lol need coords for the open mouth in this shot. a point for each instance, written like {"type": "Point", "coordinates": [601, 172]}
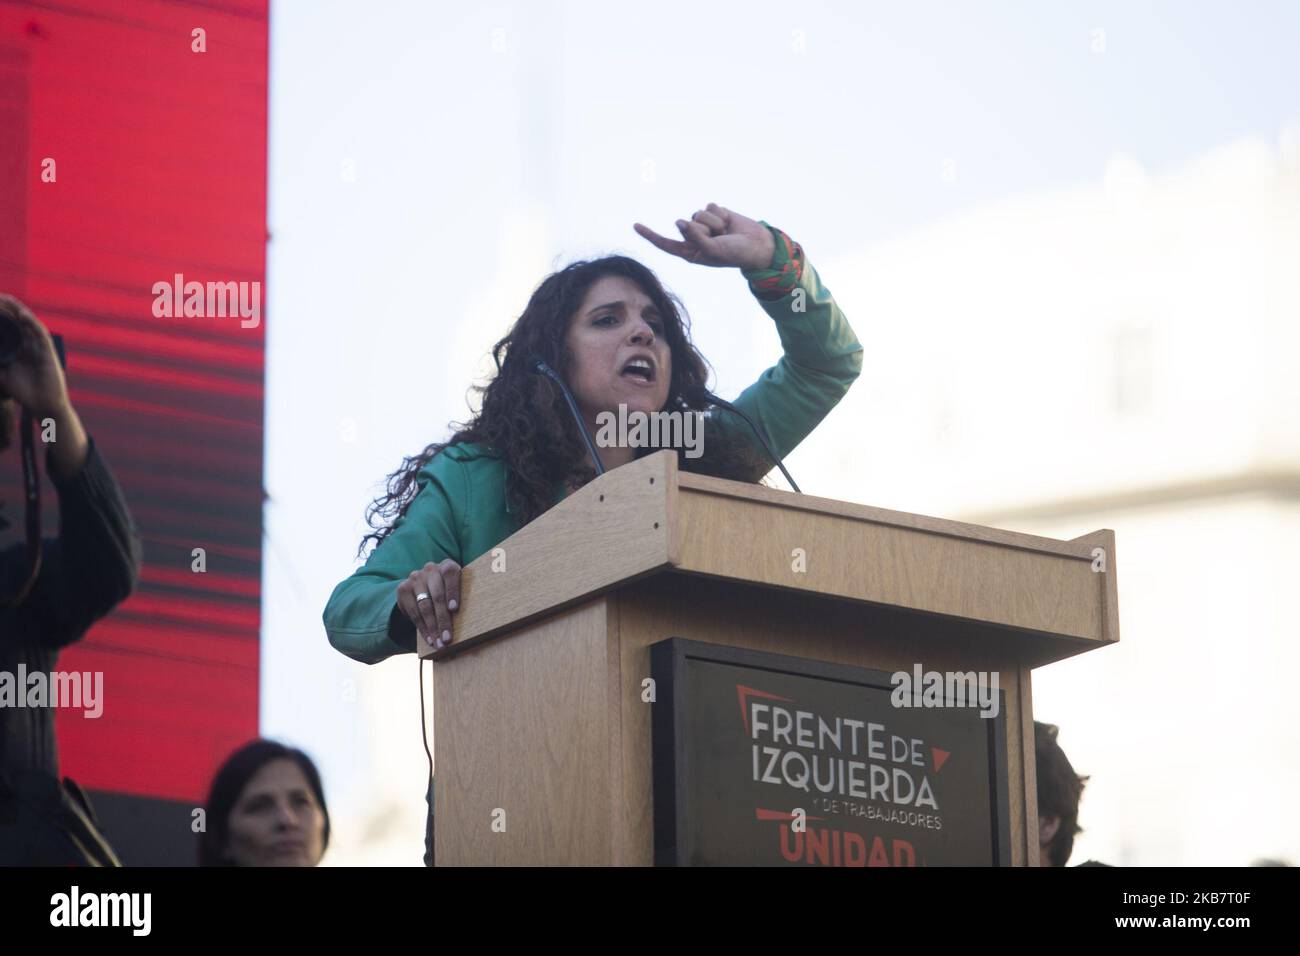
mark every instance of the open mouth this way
{"type": "Point", "coordinates": [639, 370]}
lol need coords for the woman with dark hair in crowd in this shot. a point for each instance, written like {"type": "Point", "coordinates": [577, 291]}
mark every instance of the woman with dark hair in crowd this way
{"type": "Point", "coordinates": [266, 808]}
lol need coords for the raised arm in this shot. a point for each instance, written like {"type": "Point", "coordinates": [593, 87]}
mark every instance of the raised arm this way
{"type": "Point", "coordinates": [95, 561]}
{"type": "Point", "coordinates": [822, 356]}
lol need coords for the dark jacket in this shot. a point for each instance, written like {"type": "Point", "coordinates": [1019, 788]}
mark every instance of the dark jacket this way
{"type": "Point", "coordinates": [89, 568]}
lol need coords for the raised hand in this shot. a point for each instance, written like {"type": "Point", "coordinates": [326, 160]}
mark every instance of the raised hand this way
{"type": "Point", "coordinates": [34, 378]}
{"type": "Point", "coordinates": [717, 237]}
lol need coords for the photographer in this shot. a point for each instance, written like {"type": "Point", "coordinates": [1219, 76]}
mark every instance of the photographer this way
{"type": "Point", "coordinates": [91, 566]}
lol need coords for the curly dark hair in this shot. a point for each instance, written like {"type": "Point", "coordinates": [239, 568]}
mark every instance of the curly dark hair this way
{"type": "Point", "coordinates": [524, 417]}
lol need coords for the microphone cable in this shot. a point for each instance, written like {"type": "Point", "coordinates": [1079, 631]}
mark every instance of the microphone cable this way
{"type": "Point", "coordinates": [699, 393]}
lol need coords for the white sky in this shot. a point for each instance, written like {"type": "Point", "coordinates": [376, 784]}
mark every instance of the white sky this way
{"type": "Point", "coordinates": [431, 162]}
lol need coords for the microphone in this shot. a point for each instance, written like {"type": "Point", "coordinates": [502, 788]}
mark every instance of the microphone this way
{"type": "Point", "coordinates": [701, 395]}
{"type": "Point", "coordinates": [540, 367]}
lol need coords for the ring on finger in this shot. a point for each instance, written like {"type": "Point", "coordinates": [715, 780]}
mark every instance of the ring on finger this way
{"type": "Point", "coordinates": [422, 596]}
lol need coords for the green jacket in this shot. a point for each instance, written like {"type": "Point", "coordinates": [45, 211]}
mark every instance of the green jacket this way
{"type": "Point", "coordinates": [460, 510]}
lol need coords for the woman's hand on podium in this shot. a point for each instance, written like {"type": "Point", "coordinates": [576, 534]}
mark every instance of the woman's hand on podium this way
{"type": "Point", "coordinates": [428, 597]}
{"type": "Point", "coordinates": [718, 237]}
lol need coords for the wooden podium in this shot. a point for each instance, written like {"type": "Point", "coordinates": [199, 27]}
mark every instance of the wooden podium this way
{"type": "Point", "coordinates": [542, 733]}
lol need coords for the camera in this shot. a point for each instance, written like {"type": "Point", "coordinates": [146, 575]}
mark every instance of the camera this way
{"type": "Point", "coordinates": [11, 338]}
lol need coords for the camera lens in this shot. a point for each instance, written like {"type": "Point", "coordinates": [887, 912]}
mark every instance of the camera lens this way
{"type": "Point", "coordinates": [11, 339]}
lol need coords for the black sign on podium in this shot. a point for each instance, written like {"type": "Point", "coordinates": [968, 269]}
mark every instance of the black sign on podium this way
{"type": "Point", "coordinates": [768, 760]}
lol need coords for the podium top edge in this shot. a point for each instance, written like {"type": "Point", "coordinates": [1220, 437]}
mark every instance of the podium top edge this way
{"type": "Point", "coordinates": [1079, 547]}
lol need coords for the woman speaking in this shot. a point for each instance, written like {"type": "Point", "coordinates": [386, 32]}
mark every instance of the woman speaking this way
{"type": "Point", "coordinates": [617, 338]}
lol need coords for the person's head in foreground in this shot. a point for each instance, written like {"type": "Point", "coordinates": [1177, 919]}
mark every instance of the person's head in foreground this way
{"type": "Point", "coordinates": [266, 808]}
{"type": "Point", "coordinates": [1059, 790]}
{"type": "Point", "coordinates": [617, 337]}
